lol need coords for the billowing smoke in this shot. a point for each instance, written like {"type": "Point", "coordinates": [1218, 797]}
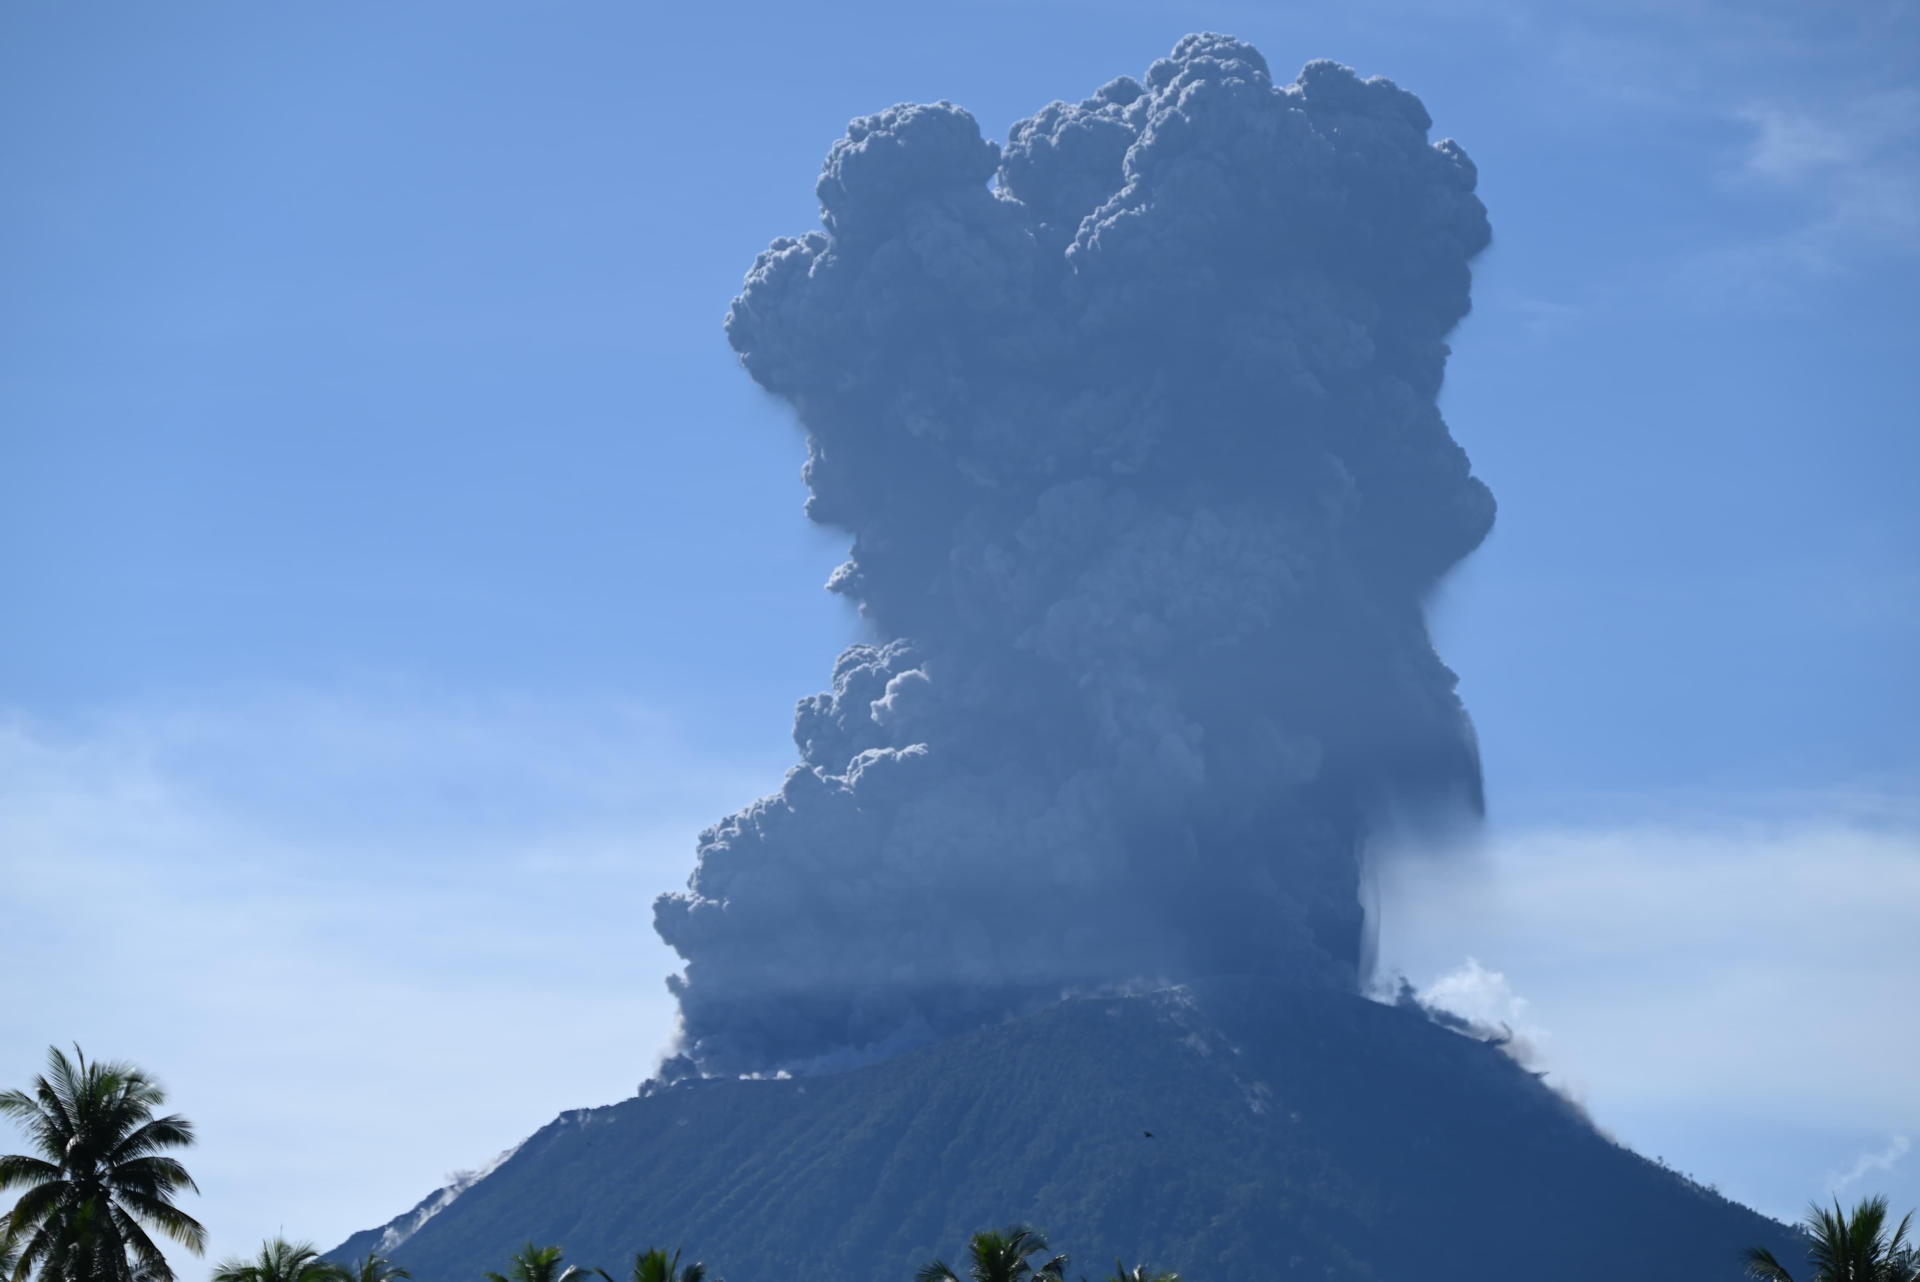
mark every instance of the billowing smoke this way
{"type": "Point", "coordinates": [1133, 425]}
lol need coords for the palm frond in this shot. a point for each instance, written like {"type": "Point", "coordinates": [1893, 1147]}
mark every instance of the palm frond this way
{"type": "Point", "coordinates": [154, 1176]}
{"type": "Point", "coordinates": [378, 1268]}
{"type": "Point", "coordinates": [171, 1131]}
{"type": "Point", "coordinates": [33, 1252]}
{"type": "Point", "coordinates": [1897, 1244]}
{"type": "Point", "coordinates": [43, 1128]}
{"type": "Point", "coordinates": [169, 1219]}
{"type": "Point", "coordinates": [149, 1262]}
{"type": "Point", "coordinates": [1828, 1251]}
{"type": "Point", "coordinates": [1024, 1239]}
{"type": "Point", "coordinates": [38, 1204]}
{"type": "Point", "coordinates": [1865, 1235]}
{"type": "Point", "coordinates": [59, 1091]}
{"type": "Point", "coordinates": [650, 1265]}
{"type": "Point", "coordinates": [935, 1271]}
{"type": "Point", "coordinates": [20, 1170]}
{"type": "Point", "coordinates": [235, 1269]}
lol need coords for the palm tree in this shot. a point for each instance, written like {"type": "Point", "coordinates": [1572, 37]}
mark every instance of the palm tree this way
{"type": "Point", "coordinates": [1001, 1257]}
{"type": "Point", "coordinates": [539, 1264]}
{"type": "Point", "coordinates": [375, 1268]}
{"type": "Point", "coordinates": [1846, 1250]}
{"type": "Point", "coordinates": [654, 1265]}
{"type": "Point", "coordinates": [280, 1261]}
{"type": "Point", "coordinates": [1139, 1273]}
{"type": "Point", "coordinates": [99, 1178]}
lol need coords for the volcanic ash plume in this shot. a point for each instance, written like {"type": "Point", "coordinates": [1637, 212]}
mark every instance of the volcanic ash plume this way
{"type": "Point", "coordinates": [1133, 426]}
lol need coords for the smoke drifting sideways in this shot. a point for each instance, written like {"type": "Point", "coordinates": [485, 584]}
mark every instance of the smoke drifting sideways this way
{"type": "Point", "coordinates": [1133, 424]}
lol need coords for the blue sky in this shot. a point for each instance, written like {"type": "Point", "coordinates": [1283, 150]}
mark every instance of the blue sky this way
{"type": "Point", "coordinates": [399, 571]}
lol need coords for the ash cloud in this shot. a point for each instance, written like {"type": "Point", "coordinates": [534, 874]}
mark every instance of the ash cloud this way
{"type": "Point", "coordinates": [1133, 425]}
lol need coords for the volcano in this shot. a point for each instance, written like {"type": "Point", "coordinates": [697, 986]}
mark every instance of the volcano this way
{"type": "Point", "coordinates": [1232, 1130]}
{"type": "Point", "coordinates": [1133, 425]}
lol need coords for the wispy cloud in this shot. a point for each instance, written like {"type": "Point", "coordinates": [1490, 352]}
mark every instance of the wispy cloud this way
{"type": "Point", "coordinates": [1687, 961]}
{"type": "Point", "coordinates": [1800, 122]}
{"type": "Point", "coordinates": [364, 938]}
{"type": "Point", "coordinates": [1852, 167]}
{"type": "Point", "coordinates": [1882, 1161]}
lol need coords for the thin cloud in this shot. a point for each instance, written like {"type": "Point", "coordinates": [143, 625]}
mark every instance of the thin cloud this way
{"type": "Point", "coordinates": [346, 924]}
{"type": "Point", "coordinates": [1689, 956]}
{"type": "Point", "coordinates": [1854, 168]}
{"type": "Point", "coordinates": [1882, 1161]}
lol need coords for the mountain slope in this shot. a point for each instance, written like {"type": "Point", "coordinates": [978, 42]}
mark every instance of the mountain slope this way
{"type": "Point", "coordinates": [1293, 1134]}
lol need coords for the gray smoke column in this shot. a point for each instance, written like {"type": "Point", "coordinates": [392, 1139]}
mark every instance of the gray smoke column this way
{"type": "Point", "coordinates": [1133, 426]}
